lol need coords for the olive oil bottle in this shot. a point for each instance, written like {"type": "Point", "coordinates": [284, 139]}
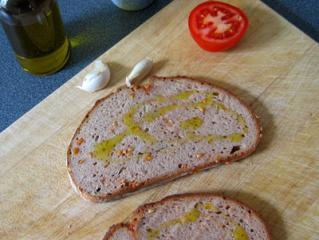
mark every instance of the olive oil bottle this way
{"type": "Point", "coordinates": [36, 33]}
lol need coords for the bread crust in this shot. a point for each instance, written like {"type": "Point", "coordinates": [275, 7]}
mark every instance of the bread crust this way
{"type": "Point", "coordinates": [142, 186]}
{"type": "Point", "coordinates": [116, 227]}
{"type": "Point", "coordinates": [137, 215]}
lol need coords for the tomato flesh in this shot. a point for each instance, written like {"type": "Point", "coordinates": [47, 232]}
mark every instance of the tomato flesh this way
{"type": "Point", "coordinates": [217, 26]}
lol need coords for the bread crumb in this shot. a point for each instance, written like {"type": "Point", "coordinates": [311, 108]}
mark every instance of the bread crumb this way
{"type": "Point", "coordinates": [130, 150]}
{"type": "Point", "coordinates": [200, 155]}
{"type": "Point", "coordinates": [182, 166]}
{"type": "Point", "coordinates": [218, 159]}
{"type": "Point", "coordinates": [201, 109]}
{"type": "Point", "coordinates": [76, 150]}
{"type": "Point", "coordinates": [168, 122]}
{"type": "Point", "coordinates": [151, 210]}
{"type": "Point", "coordinates": [81, 161]}
{"type": "Point", "coordinates": [80, 141]}
{"type": "Point", "coordinates": [125, 152]}
{"type": "Point", "coordinates": [148, 157]}
{"type": "Point", "coordinates": [147, 88]}
{"type": "Point", "coordinates": [133, 92]}
{"type": "Point", "coordinates": [119, 153]}
{"type": "Point", "coordinates": [114, 126]}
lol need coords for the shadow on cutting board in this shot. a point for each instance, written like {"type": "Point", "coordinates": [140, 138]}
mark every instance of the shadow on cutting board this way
{"type": "Point", "coordinates": [119, 71]}
{"type": "Point", "coordinates": [265, 210]}
{"type": "Point", "coordinates": [266, 118]}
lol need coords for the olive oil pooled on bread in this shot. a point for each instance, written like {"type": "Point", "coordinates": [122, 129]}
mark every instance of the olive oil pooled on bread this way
{"type": "Point", "coordinates": [36, 33]}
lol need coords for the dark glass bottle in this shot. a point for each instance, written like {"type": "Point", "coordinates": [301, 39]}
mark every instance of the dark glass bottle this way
{"type": "Point", "coordinates": [36, 33]}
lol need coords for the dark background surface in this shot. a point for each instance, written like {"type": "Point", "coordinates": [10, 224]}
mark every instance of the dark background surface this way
{"type": "Point", "coordinates": [94, 26]}
{"type": "Point", "coordinates": [302, 13]}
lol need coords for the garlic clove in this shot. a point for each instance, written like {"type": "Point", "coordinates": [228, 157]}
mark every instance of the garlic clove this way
{"type": "Point", "coordinates": [94, 81]}
{"type": "Point", "coordinates": [97, 79]}
{"type": "Point", "coordinates": [100, 66]}
{"type": "Point", "coordinates": [139, 71]}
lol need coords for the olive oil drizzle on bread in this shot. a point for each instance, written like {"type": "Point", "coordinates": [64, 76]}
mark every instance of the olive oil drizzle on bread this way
{"type": "Point", "coordinates": [103, 150]}
{"type": "Point", "coordinates": [239, 233]}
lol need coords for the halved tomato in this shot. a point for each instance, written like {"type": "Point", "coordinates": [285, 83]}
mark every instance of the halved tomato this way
{"type": "Point", "coordinates": [217, 26]}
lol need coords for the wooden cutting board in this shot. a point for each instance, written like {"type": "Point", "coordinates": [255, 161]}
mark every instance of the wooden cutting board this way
{"type": "Point", "coordinates": [275, 69]}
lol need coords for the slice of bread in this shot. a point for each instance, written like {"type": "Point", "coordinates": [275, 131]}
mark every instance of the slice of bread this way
{"type": "Point", "coordinates": [165, 129]}
{"type": "Point", "coordinates": [196, 216]}
{"type": "Point", "coordinates": [119, 231]}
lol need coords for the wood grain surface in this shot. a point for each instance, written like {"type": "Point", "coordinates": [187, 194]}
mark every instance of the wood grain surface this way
{"type": "Point", "coordinates": [275, 69]}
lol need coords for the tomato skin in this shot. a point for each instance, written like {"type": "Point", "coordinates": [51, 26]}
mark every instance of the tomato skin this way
{"type": "Point", "coordinates": [214, 45]}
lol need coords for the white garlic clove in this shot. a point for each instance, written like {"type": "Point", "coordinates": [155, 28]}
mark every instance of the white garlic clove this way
{"type": "Point", "coordinates": [100, 66]}
{"type": "Point", "coordinates": [139, 71]}
{"type": "Point", "coordinates": [97, 79]}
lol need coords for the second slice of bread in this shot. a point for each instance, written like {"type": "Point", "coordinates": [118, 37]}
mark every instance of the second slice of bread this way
{"type": "Point", "coordinates": [193, 216]}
